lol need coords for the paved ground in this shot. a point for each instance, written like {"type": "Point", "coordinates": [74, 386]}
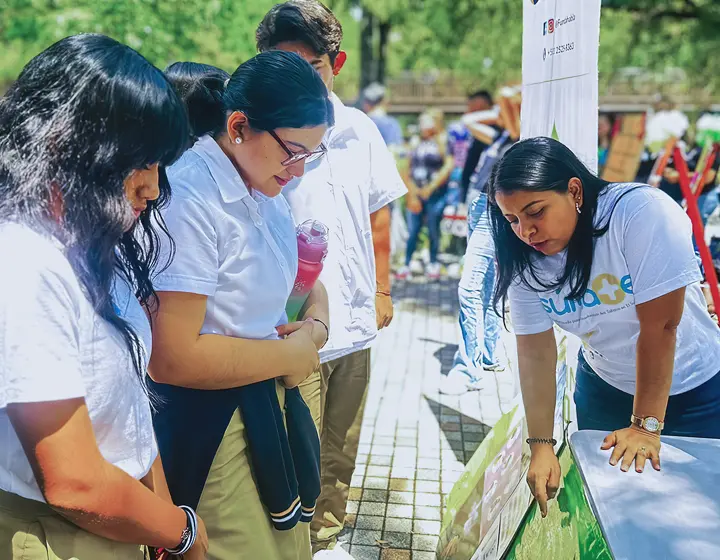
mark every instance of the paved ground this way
{"type": "Point", "coordinates": [415, 442]}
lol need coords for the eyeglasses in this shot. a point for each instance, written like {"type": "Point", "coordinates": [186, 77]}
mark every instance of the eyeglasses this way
{"type": "Point", "coordinates": [295, 157]}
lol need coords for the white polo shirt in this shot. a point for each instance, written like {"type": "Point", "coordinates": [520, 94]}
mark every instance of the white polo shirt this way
{"type": "Point", "coordinates": [238, 249]}
{"type": "Point", "coordinates": [53, 347]}
{"type": "Point", "coordinates": [358, 176]}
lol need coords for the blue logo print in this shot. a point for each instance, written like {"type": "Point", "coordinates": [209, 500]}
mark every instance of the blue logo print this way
{"type": "Point", "coordinates": [605, 289]}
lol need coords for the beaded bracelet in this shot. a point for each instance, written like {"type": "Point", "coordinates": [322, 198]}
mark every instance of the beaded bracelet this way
{"type": "Point", "coordinates": [189, 534]}
{"type": "Point", "coordinates": [532, 440]}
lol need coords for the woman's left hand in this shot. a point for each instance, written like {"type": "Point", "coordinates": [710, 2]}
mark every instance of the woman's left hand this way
{"type": "Point", "coordinates": [319, 333]}
{"type": "Point", "coordinates": [633, 444]}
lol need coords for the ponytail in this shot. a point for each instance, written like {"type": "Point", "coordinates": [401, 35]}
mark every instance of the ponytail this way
{"type": "Point", "coordinates": [201, 87]}
{"type": "Point", "coordinates": [274, 89]}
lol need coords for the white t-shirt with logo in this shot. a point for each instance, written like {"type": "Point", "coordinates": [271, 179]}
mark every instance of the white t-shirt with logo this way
{"type": "Point", "coordinates": [54, 346]}
{"type": "Point", "coordinates": [646, 253]}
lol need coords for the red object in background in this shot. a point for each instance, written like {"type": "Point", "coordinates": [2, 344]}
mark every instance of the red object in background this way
{"type": "Point", "coordinates": [694, 215]}
{"type": "Point", "coordinates": [617, 124]}
{"type": "Point", "coordinates": [699, 186]}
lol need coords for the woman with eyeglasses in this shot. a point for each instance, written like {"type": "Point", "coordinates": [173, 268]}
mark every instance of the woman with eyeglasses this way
{"type": "Point", "coordinates": [235, 437]}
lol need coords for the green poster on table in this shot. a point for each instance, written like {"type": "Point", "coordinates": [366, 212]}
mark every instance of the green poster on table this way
{"type": "Point", "coordinates": [488, 503]}
{"type": "Point", "coordinates": [569, 531]}
{"type": "Point", "coordinates": [490, 514]}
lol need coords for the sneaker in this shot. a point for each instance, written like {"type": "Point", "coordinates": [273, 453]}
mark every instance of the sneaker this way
{"type": "Point", "coordinates": [403, 273]}
{"type": "Point", "coordinates": [416, 267]}
{"type": "Point", "coordinates": [433, 271]}
{"type": "Point", "coordinates": [495, 368]}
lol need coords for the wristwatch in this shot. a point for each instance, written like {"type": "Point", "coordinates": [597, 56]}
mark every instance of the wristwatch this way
{"type": "Point", "coordinates": [649, 424]}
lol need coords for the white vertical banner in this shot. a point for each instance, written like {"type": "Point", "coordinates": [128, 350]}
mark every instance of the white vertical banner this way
{"type": "Point", "coordinates": [560, 73]}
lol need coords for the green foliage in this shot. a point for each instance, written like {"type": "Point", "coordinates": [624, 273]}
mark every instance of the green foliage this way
{"type": "Point", "coordinates": [478, 41]}
{"type": "Point", "coordinates": [220, 32]}
{"type": "Point", "coordinates": [661, 34]}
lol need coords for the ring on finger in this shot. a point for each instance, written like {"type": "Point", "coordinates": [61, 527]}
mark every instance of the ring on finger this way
{"type": "Point", "coordinates": [643, 450]}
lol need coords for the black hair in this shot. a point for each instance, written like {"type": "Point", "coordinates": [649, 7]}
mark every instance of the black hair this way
{"type": "Point", "coordinates": [610, 118]}
{"type": "Point", "coordinates": [305, 21]}
{"type": "Point", "coordinates": [543, 164]}
{"type": "Point", "coordinates": [275, 89]}
{"type": "Point", "coordinates": [374, 94]}
{"type": "Point", "coordinates": [82, 116]}
{"type": "Point", "coordinates": [481, 94]}
{"type": "Point", "coordinates": [201, 87]}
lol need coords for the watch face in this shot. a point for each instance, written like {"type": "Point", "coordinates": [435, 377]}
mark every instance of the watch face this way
{"type": "Point", "coordinates": [652, 424]}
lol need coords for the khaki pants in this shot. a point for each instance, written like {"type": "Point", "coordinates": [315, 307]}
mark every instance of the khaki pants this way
{"type": "Point", "coordinates": [238, 526]}
{"type": "Point", "coordinates": [31, 530]}
{"type": "Point", "coordinates": [336, 398]}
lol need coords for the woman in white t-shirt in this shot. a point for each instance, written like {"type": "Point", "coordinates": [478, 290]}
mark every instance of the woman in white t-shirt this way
{"type": "Point", "coordinates": [234, 434]}
{"type": "Point", "coordinates": [79, 475]}
{"type": "Point", "coordinates": [613, 264]}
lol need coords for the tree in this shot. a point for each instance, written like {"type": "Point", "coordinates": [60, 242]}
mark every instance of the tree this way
{"type": "Point", "coordinates": [477, 43]}
{"type": "Point", "coordinates": [661, 34]}
{"type": "Point", "coordinates": [673, 9]}
{"type": "Point", "coordinates": [220, 32]}
{"type": "Point", "coordinates": [378, 17]}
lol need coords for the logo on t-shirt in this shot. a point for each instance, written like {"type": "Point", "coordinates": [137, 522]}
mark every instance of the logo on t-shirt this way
{"type": "Point", "coordinates": [605, 289]}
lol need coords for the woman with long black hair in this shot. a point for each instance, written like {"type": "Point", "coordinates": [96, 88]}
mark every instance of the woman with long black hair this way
{"type": "Point", "coordinates": [79, 193]}
{"type": "Point", "coordinates": [226, 359]}
{"type": "Point", "coordinates": [613, 264]}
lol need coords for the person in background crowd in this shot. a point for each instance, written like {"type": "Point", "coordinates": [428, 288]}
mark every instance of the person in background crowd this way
{"type": "Point", "coordinates": [477, 356]}
{"type": "Point", "coordinates": [605, 130]}
{"type": "Point", "coordinates": [428, 174]}
{"type": "Point", "coordinates": [374, 106]}
{"type": "Point", "coordinates": [708, 200]}
{"type": "Point", "coordinates": [438, 116]}
{"type": "Point", "coordinates": [613, 264]}
{"type": "Point", "coordinates": [80, 475]}
{"type": "Point", "coordinates": [460, 141]}
{"type": "Point", "coordinates": [480, 102]}
{"type": "Point", "coordinates": [349, 190]}
{"type": "Point", "coordinates": [463, 146]}
{"type": "Point", "coordinates": [234, 434]}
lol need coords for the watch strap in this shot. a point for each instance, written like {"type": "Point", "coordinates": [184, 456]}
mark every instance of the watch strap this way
{"type": "Point", "coordinates": [640, 423]}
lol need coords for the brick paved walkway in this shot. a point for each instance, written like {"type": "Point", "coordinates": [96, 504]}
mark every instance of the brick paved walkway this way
{"type": "Point", "coordinates": [415, 442]}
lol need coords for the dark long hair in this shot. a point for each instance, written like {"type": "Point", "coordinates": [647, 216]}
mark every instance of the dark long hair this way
{"type": "Point", "coordinates": [81, 116]}
{"type": "Point", "coordinates": [544, 164]}
{"type": "Point", "coordinates": [201, 87]}
{"type": "Point", "coordinates": [275, 89]}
